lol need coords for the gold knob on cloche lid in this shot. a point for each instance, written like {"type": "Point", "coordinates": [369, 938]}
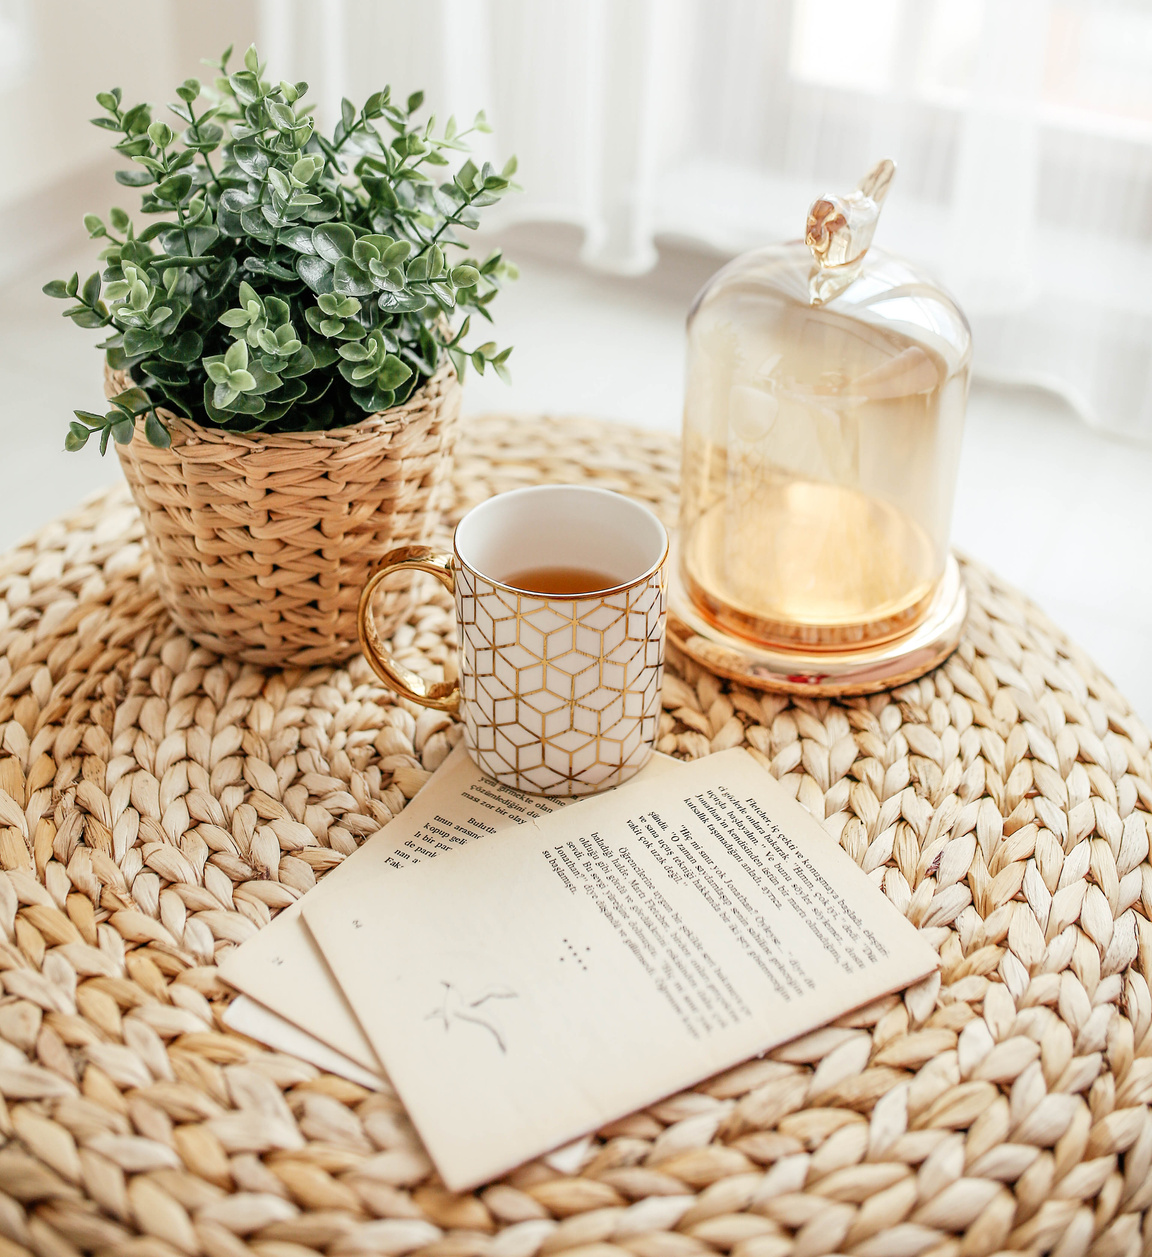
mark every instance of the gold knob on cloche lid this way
{"type": "Point", "coordinates": [840, 229]}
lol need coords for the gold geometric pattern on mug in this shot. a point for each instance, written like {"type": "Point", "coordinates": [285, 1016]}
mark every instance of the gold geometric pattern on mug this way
{"type": "Point", "coordinates": [554, 689]}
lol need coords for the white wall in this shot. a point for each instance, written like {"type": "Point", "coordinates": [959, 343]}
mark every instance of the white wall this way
{"type": "Point", "coordinates": [55, 55]}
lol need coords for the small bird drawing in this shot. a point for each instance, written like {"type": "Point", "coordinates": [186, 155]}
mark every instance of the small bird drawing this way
{"type": "Point", "coordinates": [455, 1006]}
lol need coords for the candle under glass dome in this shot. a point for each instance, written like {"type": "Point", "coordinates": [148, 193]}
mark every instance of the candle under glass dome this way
{"type": "Point", "coordinates": [824, 407]}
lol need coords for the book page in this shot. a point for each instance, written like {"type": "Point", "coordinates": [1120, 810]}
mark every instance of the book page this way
{"type": "Point", "coordinates": [280, 966]}
{"type": "Point", "coordinates": [531, 990]}
{"type": "Point", "coordinates": [246, 1016]}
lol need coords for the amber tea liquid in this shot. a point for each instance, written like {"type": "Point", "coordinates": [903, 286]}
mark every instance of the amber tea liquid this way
{"type": "Point", "coordinates": [559, 580]}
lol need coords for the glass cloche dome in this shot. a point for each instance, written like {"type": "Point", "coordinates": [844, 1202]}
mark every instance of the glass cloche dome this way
{"type": "Point", "coordinates": [825, 398]}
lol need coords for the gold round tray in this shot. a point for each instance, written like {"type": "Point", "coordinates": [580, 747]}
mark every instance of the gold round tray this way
{"type": "Point", "coordinates": [859, 670]}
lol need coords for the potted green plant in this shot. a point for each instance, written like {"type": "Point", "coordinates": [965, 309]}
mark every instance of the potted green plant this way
{"type": "Point", "coordinates": [283, 355]}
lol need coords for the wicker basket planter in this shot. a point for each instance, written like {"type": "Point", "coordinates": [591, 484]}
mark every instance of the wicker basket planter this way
{"type": "Point", "coordinates": [263, 543]}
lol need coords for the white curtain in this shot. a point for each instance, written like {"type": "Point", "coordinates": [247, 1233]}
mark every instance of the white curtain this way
{"type": "Point", "coordinates": [1022, 131]}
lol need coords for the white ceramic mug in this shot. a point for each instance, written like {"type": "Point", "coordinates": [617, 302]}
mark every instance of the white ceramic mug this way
{"type": "Point", "coordinates": [560, 693]}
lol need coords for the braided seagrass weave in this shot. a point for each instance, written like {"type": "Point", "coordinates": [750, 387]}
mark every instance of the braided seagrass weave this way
{"type": "Point", "coordinates": [264, 542]}
{"type": "Point", "coordinates": [158, 804]}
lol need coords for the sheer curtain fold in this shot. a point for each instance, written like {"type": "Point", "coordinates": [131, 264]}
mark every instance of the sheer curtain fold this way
{"type": "Point", "coordinates": [1022, 130]}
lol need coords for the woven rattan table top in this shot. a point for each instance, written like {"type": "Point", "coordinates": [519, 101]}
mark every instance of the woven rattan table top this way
{"type": "Point", "coordinates": [159, 804]}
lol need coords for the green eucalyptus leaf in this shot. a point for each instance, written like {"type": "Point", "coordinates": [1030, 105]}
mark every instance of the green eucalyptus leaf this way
{"type": "Point", "coordinates": [160, 133]}
{"type": "Point", "coordinates": [351, 280]}
{"type": "Point", "coordinates": [77, 437]}
{"type": "Point", "coordinates": [288, 392]}
{"type": "Point", "coordinates": [372, 400]}
{"type": "Point", "coordinates": [201, 238]}
{"type": "Point", "coordinates": [280, 182]}
{"type": "Point", "coordinates": [315, 272]}
{"type": "Point", "coordinates": [282, 117]}
{"type": "Point", "coordinates": [262, 266]}
{"type": "Point", "coordinates": [131, 400]}
{"type": "Point", "coordinates": [253, 223]}
{"type": "Point", "coordinates": [204, 137]}
{"type": "Point", "coordinates": [175, 188]}
{"type": "Point", "coordinates": [134, 178]}
{"type": "Point", "coordinates": [236, 200]}
{"type": "Point", "coordinates": [219, 278]}
{"type": "Point", "coordinates": [186, 348]}
{"type": "Point", "coordinates": [251, 159]}
{"type": "Point", "coordinates": [236, 356]}
{"type": "Point", "coordinates": [393, 372]}
{"type": "Point", "coordinates": [245, 85]}
{"type": "Point", "coordinates": [157, 434]}
{"type": "Point", "coordinates": [325, 356]}
{"type": "Point", "coordinates": [56, 288]}
{"type": "Point", "coordinates": [401, 302]}
{"type": "Point", "coordinates": [163, 264]}
{"type": "Point", "coordinates": [171, 373]}
{"type": "Point", "coordinates": [263, 381]}
{"type": "Point", "coordinates": [301, 363]}
{"type": "Point", "coordinates": [396, 254]}
{"type": "Point", "coordinates": [381, 191]}
{"type": "Point", "coordinates": [137, 120]}
{"type": "Point", "coordinates": [364, 252]}
{"type": "Point", "coordinates": [278, 311]}
{"type": "Point", "coordinates": [328, 208]}
{"type": "Point", "coordinates": [333, 241]}
{"type": "Point", "coordinates": [298, 238]}
{"type": "Point", "coordinates": [246, 403]}
{"type": "Point", "coordinates": [85, 318]}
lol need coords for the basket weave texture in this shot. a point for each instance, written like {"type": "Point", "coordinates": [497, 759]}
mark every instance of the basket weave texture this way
{"type": "Point", "coordinates": [159, 803]}
{"type": "Point", "coordinates": [264, 542]}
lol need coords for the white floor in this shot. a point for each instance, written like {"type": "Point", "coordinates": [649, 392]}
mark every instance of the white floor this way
{"type": "Point", "coordinates": [1059, 509]}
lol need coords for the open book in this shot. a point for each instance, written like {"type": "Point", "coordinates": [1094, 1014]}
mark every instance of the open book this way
{"type": "Point", "coordinates": [581, 964]}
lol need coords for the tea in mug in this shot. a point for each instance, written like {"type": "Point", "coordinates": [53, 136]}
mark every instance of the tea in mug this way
{"type": "Point", "coordinates": [555, 579]}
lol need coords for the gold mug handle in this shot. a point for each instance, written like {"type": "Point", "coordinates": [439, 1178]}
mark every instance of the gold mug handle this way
{"type": "Point", "coordinates": [440, 695]}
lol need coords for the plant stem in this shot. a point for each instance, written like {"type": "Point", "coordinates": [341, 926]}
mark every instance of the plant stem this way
{"type": "Point", "coordinates": [453, 220]}
{"type": "Point", "coordinates": [204, 155]}
{"type": "Point", "coordinates": [107, 318]}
